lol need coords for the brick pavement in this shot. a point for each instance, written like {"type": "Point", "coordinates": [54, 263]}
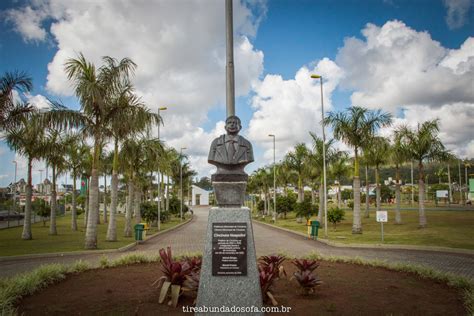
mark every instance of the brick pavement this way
{"type": "Point", "coordinates": [190, 238]}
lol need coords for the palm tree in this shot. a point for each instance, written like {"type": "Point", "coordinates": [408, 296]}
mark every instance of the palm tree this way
{"type": "Point", "coordinates": [262, 178]}
{"type": "Point", "coordinates": [354, 127]}
{"type": "Point", "coordinates": [285, 175]}
{"type": "Point", "coordinates": [26, 138]}
{"type": "Point", "coordinates": [95, 90]}
{"type": "Point", "coordinates": [135, 158]}
{"type": "Point", "coordinates": [316, 164]}
{"type": "Point", "coordinates": [77, 152]}
{"type": "Point", "coordinates": [339, 169]}
{"type": "Point", "coordinates": [54, 152]}
{"type": "Point", "coordinates": [297, 161]}
{"type": "Point", "coordinates": [398, 156]}
{"type": "Point", "coordinates": [377, 153]}
{"type": "Point", "coordinates": [423, 144]}
{"type": "Point", "coordinates": [11, 111]}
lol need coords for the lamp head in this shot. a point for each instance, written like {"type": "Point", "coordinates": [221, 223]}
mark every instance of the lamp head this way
{"type": "Point", "coordinates": [163, 108]}
{"type": "Point", "coordinates": [315, 76]}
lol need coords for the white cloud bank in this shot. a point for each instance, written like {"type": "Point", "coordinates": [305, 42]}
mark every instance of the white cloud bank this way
{"type": "Point", "coordinates": [179, 47]}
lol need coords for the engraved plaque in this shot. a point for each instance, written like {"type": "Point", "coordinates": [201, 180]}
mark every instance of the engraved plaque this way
{"type": "Point", "coordinates": [229, 249]}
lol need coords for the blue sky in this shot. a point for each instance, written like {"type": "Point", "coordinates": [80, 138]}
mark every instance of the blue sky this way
{"type": "Point", "coordinates": [380, 54]}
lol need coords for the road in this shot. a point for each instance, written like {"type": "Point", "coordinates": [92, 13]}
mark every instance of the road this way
{"type": "Point", "coordinates": [190, 238]}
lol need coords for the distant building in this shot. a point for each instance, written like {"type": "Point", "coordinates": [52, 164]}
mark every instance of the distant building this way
{"type": "Point", "coordinates": [199, 196]}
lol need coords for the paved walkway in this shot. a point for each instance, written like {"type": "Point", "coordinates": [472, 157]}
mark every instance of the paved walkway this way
{"type": "Point", "coordinates": [190, 238]}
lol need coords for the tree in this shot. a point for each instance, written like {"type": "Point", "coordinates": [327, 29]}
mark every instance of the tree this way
{"type": "Point", "coordinates": [398, 156]}
{"type": "Point", "coordinates": [377, 153]}
{"type": "Point", "coordinates": [336, 215]}
{"type": "Point", "coordinates": [297, 161]}
{"type": "Point", "coordinates": [95, 89]}
{"type": "Point", "coordinates": [77, 152]}
{"type": "Point", "coordinates": [354, 127]}
{"type": "Point", "coordinates": [54, 152]}
{"type": "Point", "coordinates": [26, 138]}
{"type": "Point", "coordinates": [339, 169]}
{"type": "Point", "coordinates": [123, 104]}
{"type": "Point", "coordinates": [423, 144]}
{"type": "Point", "coordinates": [306, 209]}
{"type": "Point", "coordinates": [11, 110]}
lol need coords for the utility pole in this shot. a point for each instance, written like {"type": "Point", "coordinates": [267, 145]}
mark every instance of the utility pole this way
{"type": "Point", "coordinates": [230, 86]}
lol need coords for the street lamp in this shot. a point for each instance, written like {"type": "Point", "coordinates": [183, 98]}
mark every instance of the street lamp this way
{"type": "Point", "coordinates": [274, 179]}
{"type": "Point", "coordinates": [324, 158]}
{"type": "Point", "coordinates": [158, 175]}
{"type": "Point", "coordinates": [181, 182]}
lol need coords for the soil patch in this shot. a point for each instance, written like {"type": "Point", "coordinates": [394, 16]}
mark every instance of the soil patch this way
{"type": "Point", "coordinates": [348, 289]}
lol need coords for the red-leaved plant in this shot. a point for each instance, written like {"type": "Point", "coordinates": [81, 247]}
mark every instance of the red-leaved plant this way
{"type": "Point", "coordinates": [276, 260]}
{"type": "Point", "coordinates": [177, 275]}
{"type": "Point", "coordinates": [267, 275]}
{"type": "Point", "coordinates": [305, 277]}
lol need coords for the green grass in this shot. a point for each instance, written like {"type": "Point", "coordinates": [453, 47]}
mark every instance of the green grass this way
{"type": "Point", "coordinates": [452, 229]}
{"type": "Point", "coordinates": [11, 243]}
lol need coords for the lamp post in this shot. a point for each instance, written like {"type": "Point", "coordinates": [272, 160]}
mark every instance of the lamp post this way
{"type": "Point", "coordinates": [324, 158]}
{"type": "Point", "coordinates": [181, 183]}
{"type": "Point", "coordinates": [158, 175]}
{"type": "Point", "coordinates": [274, 180]}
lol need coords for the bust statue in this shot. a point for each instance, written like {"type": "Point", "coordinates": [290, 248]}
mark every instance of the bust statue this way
{"type": "Point", "coordinates": [230, 152]}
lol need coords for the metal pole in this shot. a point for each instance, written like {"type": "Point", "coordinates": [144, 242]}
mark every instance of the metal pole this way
{"type": "Point", "coordinates": [412, 187]}
{"type": "Point", "coordinates": [382, 230]}
{"type": "Point", "coordinates": [230, 86]}
{"type": "Point", "coordinates": [465, 178]}
{"type": "Point", "coordinates": [159, 184]}
{"type": "Point", "coordinates": [181, 184]}
{"type": "Point", "coordinates": [449, 186]}
{"type": "Point", "coordinates": [324, 163]}
{"type": "Point", "coordinates": [14, 195]}
{"type": "Point", "coordinates": [460, 183]}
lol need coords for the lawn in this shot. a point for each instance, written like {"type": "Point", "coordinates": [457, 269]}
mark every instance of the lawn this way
{"type": "Point", "coordinates": [453, 229]}
{"type": "Point", "coordinates": [67, 240]}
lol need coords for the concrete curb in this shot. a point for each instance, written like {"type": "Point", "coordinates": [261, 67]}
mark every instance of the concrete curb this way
{"type": "Point", "coordinates": [90, 252]}
{"type": "Point", "coordinates": [375, 246]}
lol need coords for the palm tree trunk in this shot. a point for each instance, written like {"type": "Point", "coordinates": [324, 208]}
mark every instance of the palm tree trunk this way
{"type": "Point", "coordinates": [421, 197]}
{"type": "Point", "coordinates": [167, 193]}
{"type": "Point", "coordinates": [86, 211]}
{"type": "Point", "coordinates": [450, 186]}
{"type": "Point", "coordinates": [26, 234]}
{"type": "Point", "coordinates": [74, 206]}
{"type": "Point", "coordinates": [339, 194]}
{"type": "Point", "coordinates": [378, 193]}
{"type": "Point", "coordinates": [136, 204]}
{"type": "Point", "coordinates": [92, 219]}
{"type": "Point", "coordinates": [162, 190]}
{"type": "Point", "coordinates": [398, 216]}
{"type": "Point", "coordinates": [357, 222]}
{"type": "Point", "coordinates": [300, 189]}
{"type": "Point", "coordinates": [52, 217]}
{"type": "Point", "coordinates": [112, 228]}
{"type": "Point", "coordinates": [105, 199]}
{"type": "Point", "coordinates": [321, 203]}
{"type": "Point", "coordinates": [367, 188]}
{"type": "Point", "coordinates": [128, 212]}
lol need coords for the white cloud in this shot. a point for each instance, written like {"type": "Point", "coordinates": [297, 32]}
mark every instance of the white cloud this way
{"type": "Point", "coordinates": [39, 101]}
{"type": "Point", "coordinates": [397, 68]}
{"type": "Point", "coordinates": [291, 108]}
{"type": "Point", "coordinates": [27, 21]}
{"type": "Point", "coordinates": [179, 47]}
{"type": "Point", "coordinates": [457, 14]}
{"type": "Point", "coordinates": [396, 65]}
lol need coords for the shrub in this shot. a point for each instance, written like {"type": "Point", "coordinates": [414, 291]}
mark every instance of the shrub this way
{"type": "Point", "coordinates": [175, 206]}
{"type": "Point", "coordinates": [285, 204]}
{"type": "Point", "coordinates": [336, 215]}
{"type": "Point", "coordinates": [350, 204]}
{"type": "Point", "coordinates": [306, 209]}
{"type": "Point", "coordinates": [41, 208]}
{"type": "Point", "coordinates": [149, 211]}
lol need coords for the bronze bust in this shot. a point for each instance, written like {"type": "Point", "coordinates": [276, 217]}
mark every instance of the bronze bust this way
{"type": "Point", "coordinates": [230, 153]}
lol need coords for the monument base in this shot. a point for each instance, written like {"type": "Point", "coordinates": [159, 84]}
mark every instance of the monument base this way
{"type": "Point", "coordinates": [216, 289]}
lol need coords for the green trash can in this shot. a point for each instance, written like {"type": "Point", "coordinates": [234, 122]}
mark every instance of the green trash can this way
{"type": "Point", "coordinates": [314, 229]}
{"type": "Point", "coordinates": [139, 228]}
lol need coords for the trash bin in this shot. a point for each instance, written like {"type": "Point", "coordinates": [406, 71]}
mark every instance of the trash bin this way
{"type": "Point", "coordinates": [139, 228]}
{"type": "Point", "coordinates": [314, 229]}
{"type": "Point", "coordinates": [146, 227]}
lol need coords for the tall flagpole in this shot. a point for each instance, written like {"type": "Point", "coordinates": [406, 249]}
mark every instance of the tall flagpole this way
{"type": "Point", "coordinates": [230, 87]}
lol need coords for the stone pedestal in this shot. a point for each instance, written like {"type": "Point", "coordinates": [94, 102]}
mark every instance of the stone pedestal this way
{"type": "Point", "coordinates": [240, 291]}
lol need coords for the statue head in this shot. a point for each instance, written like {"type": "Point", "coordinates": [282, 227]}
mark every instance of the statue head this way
{"type": "Point", "coordinates": [233, 125]}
